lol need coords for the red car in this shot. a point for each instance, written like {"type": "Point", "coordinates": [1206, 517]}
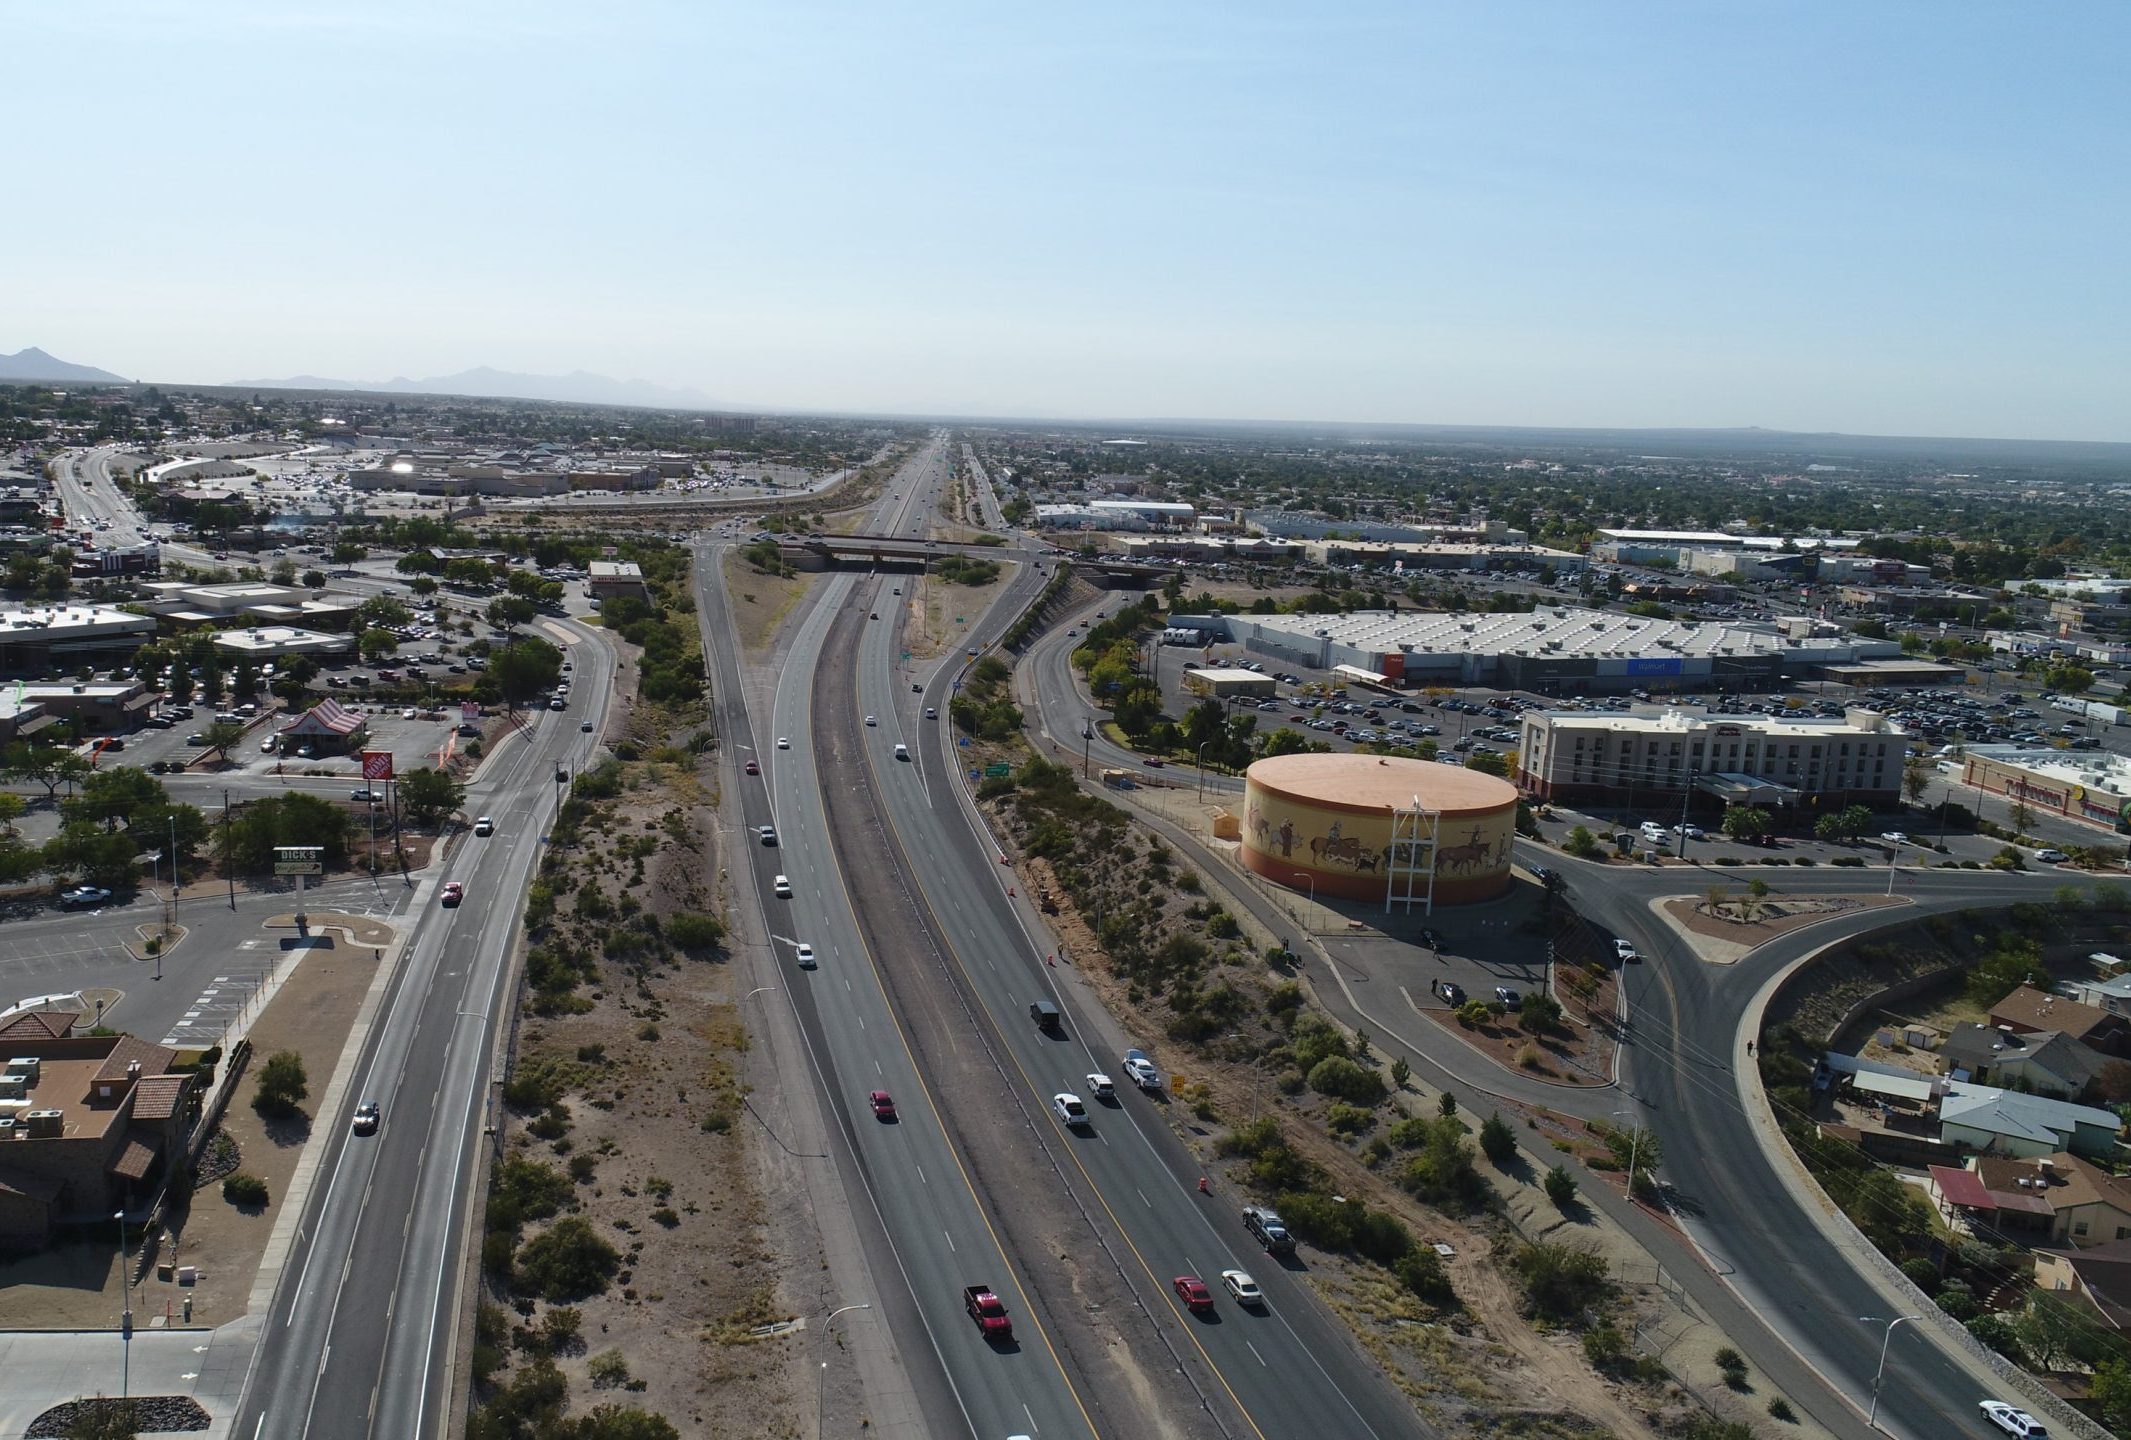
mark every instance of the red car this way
{"type": "Point", "coordinates": [753, 768]}
{"type": "Point", "coordinates": [454, 892]}
{"type": "Point", "coordinates": [883, 1105]}
{"type": "Point", "coordinates": [1154, 762]}
{"type": "Point", "coordinates": [1193, 1292]}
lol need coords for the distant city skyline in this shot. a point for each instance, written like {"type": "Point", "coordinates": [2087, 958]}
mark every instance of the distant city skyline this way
{"type": "Point", "coordinates": [1899, 219]}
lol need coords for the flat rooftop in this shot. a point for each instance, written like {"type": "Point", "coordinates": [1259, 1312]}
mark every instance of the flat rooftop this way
{"type": "Point", "coordinates": [2073, 767]}
{"type": "Point", "coordinates": [1565, 631]}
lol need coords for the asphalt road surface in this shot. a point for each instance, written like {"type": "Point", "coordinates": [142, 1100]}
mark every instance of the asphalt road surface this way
{"type": "Point", "coordinates": [907, 1174]}
{"type": "Point", "coordinates": [358, 1340]}
{"type": "Point", "coordinates": [1288, 1368]}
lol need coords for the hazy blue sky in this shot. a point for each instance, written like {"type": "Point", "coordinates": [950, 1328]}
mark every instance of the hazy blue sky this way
{"type": "Point", "coordinates": [1871, 217]}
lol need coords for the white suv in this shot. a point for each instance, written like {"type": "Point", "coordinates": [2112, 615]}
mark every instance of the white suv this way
{"type": "Point", "coordinates": [2014, 1421]}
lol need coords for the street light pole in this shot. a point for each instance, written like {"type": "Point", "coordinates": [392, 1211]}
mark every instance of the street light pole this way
{"type": "Point", "coordinates": [1635, 1140]}
{"type": "Point", "coordinates": [1872, 1416]}
{"type": "Point", "coordinates": [1202, 765]}
{"type": "Point", "coordinates": [821, 1372]}
{"type": "Point", "coordinates": [125, 1322]}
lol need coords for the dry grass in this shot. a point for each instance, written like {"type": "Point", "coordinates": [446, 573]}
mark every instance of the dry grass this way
{"type": "Point", "coordinates": [760, 602]}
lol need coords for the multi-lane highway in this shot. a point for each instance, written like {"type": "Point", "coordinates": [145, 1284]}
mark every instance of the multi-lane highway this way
{"type": "Point", "coordinates": [358, 1337]}
{"type": "Point", "coordinates": [1285, 1370]}
{"type": "Point", "coordinates": [907, 1174]}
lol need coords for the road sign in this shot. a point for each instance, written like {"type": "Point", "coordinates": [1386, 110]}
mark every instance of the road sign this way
{"type": "Point", "coordinates": [998, 769]}
{"type": "Point", "coordinates": [377, 764]}
{"type": "Point", "coordinates": [470, 711]}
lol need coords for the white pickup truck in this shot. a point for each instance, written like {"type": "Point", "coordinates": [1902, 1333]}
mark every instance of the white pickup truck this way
{"type": "Point", "coordinates": [1140, 1070]}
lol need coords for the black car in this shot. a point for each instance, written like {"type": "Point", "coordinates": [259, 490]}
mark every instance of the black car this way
{"type": "Point", "coordinates": [1450, 992]}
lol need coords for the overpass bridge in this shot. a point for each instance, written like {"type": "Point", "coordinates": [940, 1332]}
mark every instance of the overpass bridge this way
{"type": "Point", "coordinates": [908, 553]}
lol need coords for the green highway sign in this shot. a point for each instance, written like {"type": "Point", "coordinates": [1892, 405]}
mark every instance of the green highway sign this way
{"type": "Point", "coordinates": [998, 770]}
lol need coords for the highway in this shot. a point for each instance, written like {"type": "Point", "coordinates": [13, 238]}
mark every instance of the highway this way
{"type": "Point", "coordinates": [907, 1173]}
{"type": "Point", "coordinates": [1682, 1070]}
{"type": "Point", "coordinates": [1287, 1369]}
{"type": "Point", "coordinates": [359, 1336]}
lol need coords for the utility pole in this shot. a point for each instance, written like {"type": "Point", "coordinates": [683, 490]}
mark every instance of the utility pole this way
{"type": "Point", "coordinates": [229, 855]}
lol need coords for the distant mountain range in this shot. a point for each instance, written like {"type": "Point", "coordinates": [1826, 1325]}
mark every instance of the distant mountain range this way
{"type": "Point", "coordinates": [484, 382]}
{"type": "Point", "coordinates": [34, 364]}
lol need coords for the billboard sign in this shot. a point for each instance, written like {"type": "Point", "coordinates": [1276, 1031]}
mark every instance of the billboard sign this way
{"type": "Point", "coordinates": [298, 860]}
{"type": "Point", "coordinates": [377, 764]}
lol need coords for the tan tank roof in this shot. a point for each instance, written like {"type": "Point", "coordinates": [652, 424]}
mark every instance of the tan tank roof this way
{"type": "Point", "coordinates": [1381, 783]}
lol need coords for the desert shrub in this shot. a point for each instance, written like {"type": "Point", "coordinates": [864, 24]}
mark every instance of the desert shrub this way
{"type": "Point", "coordinates": [1344, 1119]}
{"type": "Point", "coordinates": [525, 1189]}
{"type": "Point", "coordinates": [1560, 1187]}
{"type": "Point", "coordinates": [1560, 1281]}
{"type": "Point", "coordinates": [567, 1261]}
{"type": "Point", "coordinates": [607, 1369]}
{"type": "Point", "coordinates": [693, 931]}
{"type": "Point", "coordinates": [243, 1189]}
{"type": "Point", "coordinates": [1348, 1080]}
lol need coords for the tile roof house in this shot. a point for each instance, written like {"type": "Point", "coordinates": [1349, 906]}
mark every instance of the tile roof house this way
{"type": "Point", "coordinates": [2028, 1009]}
{"type": "Point", "coordinates": [2101, 1277]}
{"type": "Point", "coordinates": [2049, 1062]}
{"type": "Point", "coordinates": [2058, 1198]}
{"type": "Point", "coordinates": [1985, 1118]}
{"type": "Point", "coordinates": [87, 1124]}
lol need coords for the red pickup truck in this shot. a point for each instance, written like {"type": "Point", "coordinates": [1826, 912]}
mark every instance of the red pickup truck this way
{"type": "Point", "coordinates": [985, 1309]}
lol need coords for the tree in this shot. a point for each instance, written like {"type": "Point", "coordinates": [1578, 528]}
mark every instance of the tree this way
{"type": "Point", "coordinates": [283, 1084]}
{"type": "Point", "coordinates": [1745, 822]}
{"type": "Point", "coordinates": [2110, 1390]}
{"type": "Point", "coordinates": [430, 795]}
{"type": "Point", "coordinates": [1487, 762]}
{"type": "Point", "coordinates": [284, 571]}
{"type": "Point", "coordinates": [48, 765]}
{"type": "Point", "coordinates": [375, 645]}
{"type": "Point", "coordinates": [1498, 1142]}
{"type": "Point", "coordinates": [1581, 842]}
{"type": "Point", "coordinates": [98, 855]}
{"type": "Point", "coordinates": [1539, 1013]}
{"type": "Point", "coordinates": [221, 736]}
{"type": "Point", "coordinates": [314, 579]}
{"type": "Point", "coordinates": [1560, 1187]}
{"type": "Point", "coordinates": [524, 668]}
{"type": "Point", "coordinates": [2014, 963]}
{"type": "Point", "coordinates": [381, 612]}
{"type": "Point", "coordinates": [12, 808]}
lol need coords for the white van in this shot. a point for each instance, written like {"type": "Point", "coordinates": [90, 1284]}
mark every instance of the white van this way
{"type": "Point", "coordinates": [902, 752]}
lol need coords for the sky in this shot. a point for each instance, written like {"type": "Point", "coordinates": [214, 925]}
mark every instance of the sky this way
{"type": "Point", "coordinates": [1885, 218]}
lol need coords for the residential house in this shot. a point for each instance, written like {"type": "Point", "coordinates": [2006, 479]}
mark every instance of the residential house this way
{"type": "Point", "coordinates": [2046, 1062]}
{"type": "Point", "coordinates": [2029, 1009]}
{"type": "Point", "coordinates": [2101, 1277]}
{"type": "Point", "coordinates": [2053, 1198]}
{"type": "Point", "coordinates": [1983, 1117]}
